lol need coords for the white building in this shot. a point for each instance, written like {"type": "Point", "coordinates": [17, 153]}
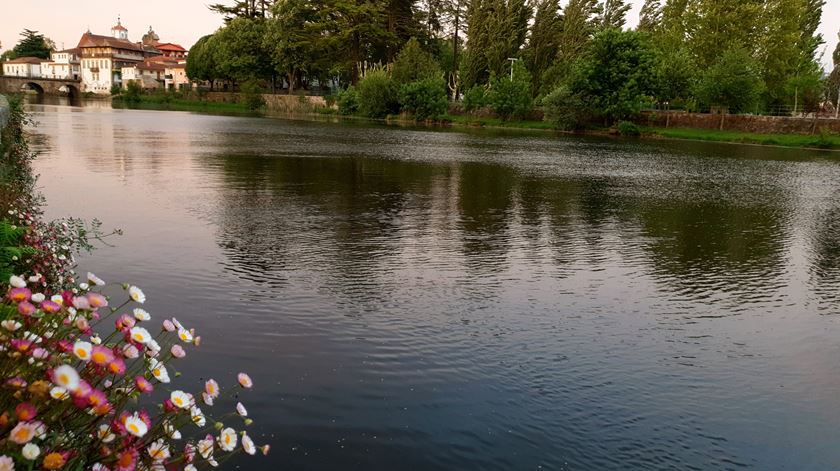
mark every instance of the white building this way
{"type": "Point", "coordinates": [62, 65]}
{"type": "Point", "coordinates": [23, 67]}
{"type": "Point", "coordinates": [103, 58]}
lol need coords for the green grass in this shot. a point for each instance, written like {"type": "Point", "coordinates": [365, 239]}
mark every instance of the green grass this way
{"type": "Point", "coordinates": [164, 102]}
{"type": "Point", "coordinates": [825, 141]}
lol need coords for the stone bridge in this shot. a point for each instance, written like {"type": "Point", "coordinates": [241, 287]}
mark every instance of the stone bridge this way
{"type": "Point", "coordinates": [62, 87]}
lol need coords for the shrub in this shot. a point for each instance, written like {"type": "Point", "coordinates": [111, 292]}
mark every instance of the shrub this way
{"type": "Point", "coordinates": [424, 99]}
{"type": "Point", "coordinates": [133, 92]}
{"type": "Point", "coordinates": [628, 129]}
{"type": "Point", "coordinates": [475, 98]}
{"type": "Point", "coordinates": [511, 98]}
{"type": "Point", "coordinates": [252, 96]}
{"type": "Point", "coordinates": [348, 101]}
{"type": "Point", "coordinates": [378, 96]}
{"type": "Point", "coordinates": [733, 83]}
{"type": "Point", "coordinates": [565, 109]}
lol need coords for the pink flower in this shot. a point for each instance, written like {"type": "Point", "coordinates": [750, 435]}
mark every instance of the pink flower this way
{"type": "Point", "coordinates": [143, 385]}
{"type": "Point", "coordinates": [26, 309]}
{"type": "Point", "coordinates": [125, 322]}
{"type": "Point", "coordinates": [25, 412]}
{"type": "Point", "coordinates": [130, 351]}
{"type": "Point", "coordinates": [117, 366]}
{"type": "Point", "coordinates": [21, 345]}
{"type": "Point", "coordinates": [168, 326]}
{"type": "Point", "coordinates": [80, 302]}
{"type": "Point", "coordinates": [82, 324]}
{"type": "Point", "coordinates": [50, 307]}
{"type": "Point", "coordinates": [40, 353]}
{"type": "Point", "coordinates": [97, 398]}
{"type": "Point", "coordinates": [244, 380]}
{"type": "Point", "coordinates": [101, 356]}
{"type": "Point", "coordinates": [96, 300]}
{"type": "Point", "coordinates": [177, 351]}
{"type": "Point", "coordinates": [126, 460]}
{"type": "Point", "coordinates": [20, 294]}
{"type": "Point", "coordinates": [16, 382]}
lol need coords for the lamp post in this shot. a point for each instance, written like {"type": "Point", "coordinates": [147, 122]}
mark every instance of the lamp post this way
{"type": "Point", "coordinates": [512, 60]}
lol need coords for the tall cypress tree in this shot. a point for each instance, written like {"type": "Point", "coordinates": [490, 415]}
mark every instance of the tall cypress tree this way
{"type": "Point", "coordinates": [650, 18]}
{"type": "Point", "coordinates": [543, 41]}
{"type": "Point", "coordinates": [496, 32]}
{"type": "Point", "coordinates": [580, 18]}
{"type": "Point", "coordinates": [614, 14]}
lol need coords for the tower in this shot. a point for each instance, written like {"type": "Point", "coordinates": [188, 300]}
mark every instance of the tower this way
{"type": "Point", "coordinates": [119, 30]}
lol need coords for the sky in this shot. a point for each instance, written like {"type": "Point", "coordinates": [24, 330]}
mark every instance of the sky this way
{"type": "Point", "coordinates": [184, 21]}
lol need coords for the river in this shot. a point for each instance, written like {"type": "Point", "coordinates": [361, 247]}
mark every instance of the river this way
{"type": "Point", "coordinates": [421, 300]}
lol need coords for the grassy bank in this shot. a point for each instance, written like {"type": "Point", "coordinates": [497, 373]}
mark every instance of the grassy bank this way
{"type": "Point", "coordinates": [170, 103]}
{"type": "Point", "coordinates": [825, 141]}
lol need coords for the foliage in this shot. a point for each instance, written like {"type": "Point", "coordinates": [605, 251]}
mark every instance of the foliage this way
{"type": "Point", "coordinates": [615, 75]}
{"type": "Point", "coordinates": [13, 250]}
{"type": "Point", "coordinates": [511, 97]}
{"type": "Point", "coordinates": [132, 93]}
{"type": "Point", "coordinates": [32, 44]}
{"type": "Point", "coordinates": [628, 129]}
{"type": "Point", "coordinates": [239, 50]}
{"type": "Point", "coordinates": [614, 13]}
{"type": "Point", "coordinates": [414, 64]}
{"type": "Point", "coordinates": [541, 50]}
{"type": "Point", "coordinates": [348, 101]}
{"type": "Point", "coordinates": [475, 98]}
{"type": "Point", "coordinates": [252, 95]}
{"type": "Point", "coordinates": [650, 17]}
{"type": "Point", "coordinates": [565, 109]}
{"type": "Point", "coordinates": [424, 99]}
{"type": "Point", "coordinates": [733, 83]}
{"type": "Point", "coordinates": [496, 32]}
{"type": "Point", "coordinates": [201, 61]}
{"type": "Point", "coordinates": [674, 75]}
{"type": "Point", "coordinates": [378, 95]}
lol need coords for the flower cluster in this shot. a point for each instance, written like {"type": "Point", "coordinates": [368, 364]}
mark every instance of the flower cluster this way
{"type": "Point", "coordinates": [71, 398]}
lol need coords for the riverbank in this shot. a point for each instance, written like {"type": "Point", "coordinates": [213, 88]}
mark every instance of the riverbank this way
{"type": "Point", "coordinates": [823, 141]}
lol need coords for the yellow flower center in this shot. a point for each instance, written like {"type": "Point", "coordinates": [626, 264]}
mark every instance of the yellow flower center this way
{"type": "Point", "coordinates": [63, 378]}
{"type": "Point", "coordinates": [81, 353]}
{"type": "Point", "coordinates": [22, 434]}
{"type": "Point", "coordinates": [134, 428]}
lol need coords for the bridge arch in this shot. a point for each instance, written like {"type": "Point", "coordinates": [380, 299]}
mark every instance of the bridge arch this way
{"type": "Point", "coordinates": [70, 90]}
{"type": "Point", "coordinates": [32, 86]}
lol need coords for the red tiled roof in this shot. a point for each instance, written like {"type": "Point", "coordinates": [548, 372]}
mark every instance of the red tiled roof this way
{"type": "Point", "coordinates": [27, 60]}
{"type": "Point", "coordinates": [74, 50]}
{"type": "Point", "coordinates": [118, 27]}
{"type": "Point", "coordinates": [95, 40]}
{"type": "Point", "coordinates": [170, 47]}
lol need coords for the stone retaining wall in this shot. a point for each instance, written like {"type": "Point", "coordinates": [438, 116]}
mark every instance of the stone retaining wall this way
{"type": "Point", "coordinates": [740, 123]}
{"type": "Point", "coordinates": [4, 111]}
{"type": "Point", "coordinates": [277, 103]}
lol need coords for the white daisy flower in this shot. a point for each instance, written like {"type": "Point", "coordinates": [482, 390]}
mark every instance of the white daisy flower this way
{"type": "Point", "coordinates": [59, 393]}
{"type": "Point", "coordinates": [205, 448]}
{"type": "Point", "coordinates": [17, 282]}
{"type": "Point", "coordinates": [38, 298]}
{"type": "Point", "coordinates": [105, 434]}
{"type": "Point", "coordinates": [136, 294]}
{"type": "Point", "coordinates": [56, 298]}
{"type": "Point", "coordinates": [197, 416]}
{"type": "Point", "coordinates": [185, 335]}
{"type": "Point", "coordinates": [30, 451]}
{"type": "Point", "coordinates": [66, 377]}
{"type": "Point", "coordinates": [190, 467]}
{"type": "Point", "coordinates": [171, 431]}
{"type": "Point", "coordinates": [95, 339]}
{"type": "Point", "coordinates": [140, 335]}
{"type": "Point", "coordinates": [82, 350]}
{"type": "Point", "coordinates": [159, 371]}
{"type": "Point", "coordinates": [11, 325]}
{"type": "Point", "coordinates": [95, 279]}
{"type": "Point", "coordinates": [141, 314]}
{"type": "Point", "coordinates": [241, 410]}
{"type": "Point", "coordinates": [227, 439]}
{"type": "Point", "coordinates": [248, 444]}
{"type": "Point", "coordinates": [181, 399]}
{"type": "Point", "coordinates": [158, 450]}
{"type": "Point", "coordinates": [135, 426]}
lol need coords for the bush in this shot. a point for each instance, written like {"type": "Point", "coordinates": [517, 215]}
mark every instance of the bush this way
{"type": "Point", "coordinates": [424, 99]}
{"type": "Point", "coordinates": [512, 98]}
{"type": "Point", "coordinates": [133, 92]}
{"type": "Point", "coordinates": [733, 83]}
{"type": "Point", "coordinates": [378, 96]}
{"type": "Point", "coordinates": [475, 98]}
{"type": "Point", "coordinates": [116, 89]}
{"type": "Point", "coordinates": [628, 129]}
{"type": "Point", "coordinates": [348, 101]}
{"type": "Point", "coordinates": [565, 109]}
{"type": "Point", "coordinates": [252, 96]}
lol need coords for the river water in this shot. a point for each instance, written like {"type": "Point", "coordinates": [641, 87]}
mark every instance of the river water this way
{"type": "Point", "coordinates": [422, 300]}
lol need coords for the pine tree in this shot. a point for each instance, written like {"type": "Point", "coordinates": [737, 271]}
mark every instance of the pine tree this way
{"type": "Point", "coordinates": [33, 44]}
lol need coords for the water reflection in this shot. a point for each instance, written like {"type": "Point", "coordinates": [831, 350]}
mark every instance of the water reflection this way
{"type": "Point", "coordinates": [436, 300]}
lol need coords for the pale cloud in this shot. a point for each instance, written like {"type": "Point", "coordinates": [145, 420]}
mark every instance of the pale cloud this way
{"type": "Point", "coordinates": [184, 21]}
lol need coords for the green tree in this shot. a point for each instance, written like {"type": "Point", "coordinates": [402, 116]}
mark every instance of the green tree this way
{"type": "Point", "coordinates": [543, 41]}
{"type": "Point", "coordinates": [239, 50]}
{"type": "Point", "coordinates": [413, 64]}
{"type": "Point", "coordinates": [378, 95]}
{"type": "Point", "coordinates": [242, 9]}
{"type": "Point", "coordinates": [713, 26]}
{"type": "Point", "coordinates": [32, 44]}
{"type": "Point", "coordinates": [425, 98]}
{"type": "Point", "coordinates": [614, 14]}
{"type": "Point", "coordinates": [201, 61]}
{"type": "Point", "coordinates": [294, 38]}
{"type": "Point", "coordinates": [510, 95]}
{"type": "Point", "coordinates": [580, 18]}
{"type": "Point", "coordinates": [674, 75]}
{"type": "Point", "coordinates": [616, 74]}
{"type": "Point", "coordinates": [497, 30]}
{"type": "Point", "coordinates": [833, 81]}
{"type": "Point", "coordinates": [650, 17]}
{"type": "Point", "coordinates": [733, 83]}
